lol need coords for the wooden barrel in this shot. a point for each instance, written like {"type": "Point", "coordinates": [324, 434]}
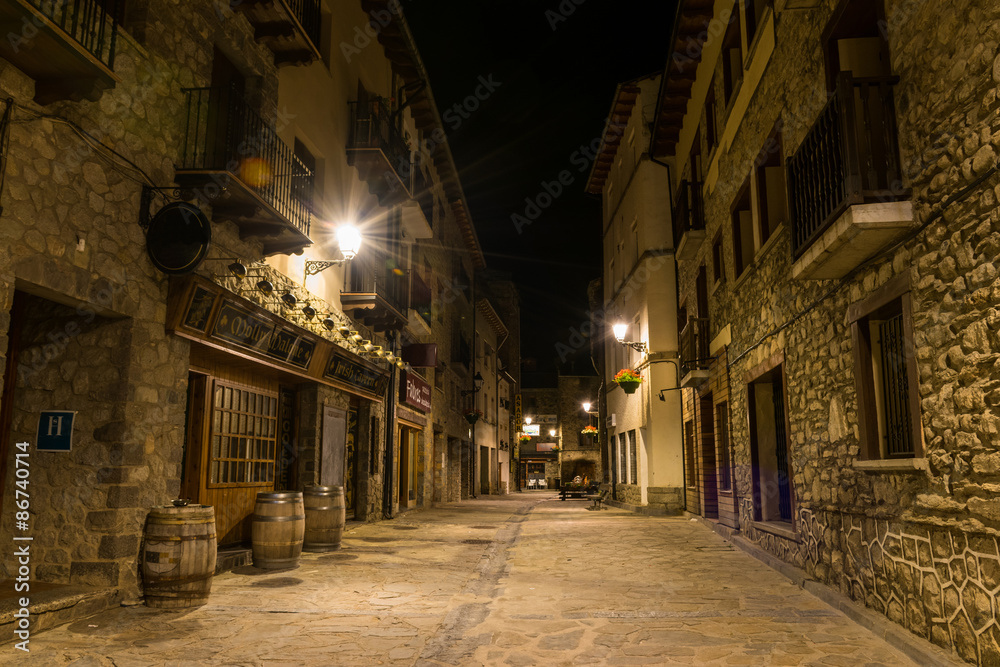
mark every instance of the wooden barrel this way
{"type": "Point", "coordinates": [276, 532]}
{"type": "Point", "coordinates": [325, 517]}
{"type": "Point", "coordinates": [178, 557]}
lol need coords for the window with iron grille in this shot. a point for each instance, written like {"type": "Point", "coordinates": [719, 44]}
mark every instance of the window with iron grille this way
{"type": "Point", "coordinates": [885, 373]}
{"type": "Point", "coordinates": [244, 436]}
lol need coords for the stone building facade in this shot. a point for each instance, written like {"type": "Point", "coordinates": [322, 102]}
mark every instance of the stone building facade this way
{"type": "Point", "coordinates": [150, 367]}
{"type": "Point", "coordinates": [834, 172]}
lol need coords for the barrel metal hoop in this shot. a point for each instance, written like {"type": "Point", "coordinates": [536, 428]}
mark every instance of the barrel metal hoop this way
{"type": "Point", "coordinates": [153, 539]}
{"type": "Point", "coordinates": [268, 519]}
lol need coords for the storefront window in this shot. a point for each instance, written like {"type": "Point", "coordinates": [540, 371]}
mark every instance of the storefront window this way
{"type": "Point", "coordinates": [244, 435]}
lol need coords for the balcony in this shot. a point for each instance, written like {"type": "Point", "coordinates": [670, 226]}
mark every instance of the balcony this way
{"type": "Point", "coordinates": [695, 358]}
{"type": "Point", "coordinates": [72, 54]}
{"type": "Point", "coordinates": [689, 221]}
{"type": "Point", "coordinates": [844, 182]}
{"type": "Point", "coordinates": [233, 159]}
{"type": "Point", "coordinates": [377, 292]}
{"type": "Point", "coordinates": [290, 28]}
{"type": "Point", "coordinates": [379, 153]}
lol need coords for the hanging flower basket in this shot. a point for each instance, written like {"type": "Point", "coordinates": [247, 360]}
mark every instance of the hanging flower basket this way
{"type": "Point", "coordinates": [628, 380]}
{"type": "Point", "coordinates": [524, 438]}
{"type": "Point", "coordinates": [472, 416]}
{"type": "Point", "coordinates": [589, 430]}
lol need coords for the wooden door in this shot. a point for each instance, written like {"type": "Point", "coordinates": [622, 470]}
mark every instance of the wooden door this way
{"type": "Point", "coordinates": [231, 452]}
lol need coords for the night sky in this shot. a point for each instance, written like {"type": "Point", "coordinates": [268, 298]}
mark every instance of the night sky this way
{"type": "Point", "coordinates": [547, 70]}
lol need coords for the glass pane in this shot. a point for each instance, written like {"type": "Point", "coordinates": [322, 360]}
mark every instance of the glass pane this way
{"type": "Point", "coordinates": [246, 402]}
{"type": "Point", "coordinates": [216, 421]}
{"type": "Point", "coordinates": [216, 447]}
{"type": "Point", "coordinates": [214, 473]}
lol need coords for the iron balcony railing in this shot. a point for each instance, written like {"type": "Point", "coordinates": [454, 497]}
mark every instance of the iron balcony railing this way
{"type": "Point", "coordinates": [309, 16]}
{"type": "Point", "coordinates": [223, 134]}
{"type": "Point", "coordinates": [689, 214]}
{"type": "Point", "coordinates": [378, 274]}
{"type": "Point", "coordinates": [849, 156]}
{"type": "Point", "coordinates": [694, 345]}
{"type": "Point", "coordinates": [93, 24]}
{"type": "Point", "coordinates": [372, 127]}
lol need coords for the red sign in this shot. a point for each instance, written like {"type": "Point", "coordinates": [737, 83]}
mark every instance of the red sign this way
{"type": "Point", "coordinates": [414, 391]}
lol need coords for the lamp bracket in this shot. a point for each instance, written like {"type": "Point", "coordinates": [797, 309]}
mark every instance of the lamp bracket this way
{"type": "Point", "coordinates": [315, 266]}
{"type": "Point", "coordinates": [638, 346]}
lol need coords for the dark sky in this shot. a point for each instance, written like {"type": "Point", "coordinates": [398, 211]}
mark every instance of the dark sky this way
{"type": "Point", "coordinates": [553, 66]}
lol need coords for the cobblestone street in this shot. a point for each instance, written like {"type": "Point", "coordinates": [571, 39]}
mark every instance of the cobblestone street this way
{"type": "Point", "coordinates": [519, 580]}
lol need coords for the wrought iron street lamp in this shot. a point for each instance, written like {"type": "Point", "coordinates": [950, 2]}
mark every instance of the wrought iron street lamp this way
{"type": "Point", "coordinates": [620, 329]}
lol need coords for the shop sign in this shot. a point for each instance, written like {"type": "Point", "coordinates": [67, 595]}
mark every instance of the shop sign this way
{"type": "Point", "coordinates": [517, 408]}
{"type": "Point", "coordinates": [281, 344]}
{"type": "Point", "coordinates": [200, 308]}
{"type": "Point", "coordinates": [55, 431]}
{"type": "Point", "coordinates": [303, 353]}
{"type": "Point", "coordinates": [343, 369]}
{"type": "Point", "coordinates": [530, 429]}
{"type": "Point", "coordinates": [239, 326]}
{"type": "Point", "coordinates": [415, 392]}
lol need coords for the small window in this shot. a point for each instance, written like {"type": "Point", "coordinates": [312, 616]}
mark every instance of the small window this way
{"type": "Point", "coordinates": [711, 135]}
{"type": "Point", "coordinates": [623, 460]}
{"type": "Point", "coordinates": [885, 374]}
{"type": "Point", "coordinates": [732, 59]}
{"type": "Point", "coordinates": [718, 261]}
{"type": "Point", "coordinates": [753, 11]}
{"type": "Point", "coordinates": [769, 177]}
{"type": "Point", "coordinates": [743, 237]}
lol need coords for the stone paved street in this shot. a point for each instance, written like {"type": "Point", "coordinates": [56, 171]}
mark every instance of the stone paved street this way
{"type": "Point", "coordinates": [520, 580]}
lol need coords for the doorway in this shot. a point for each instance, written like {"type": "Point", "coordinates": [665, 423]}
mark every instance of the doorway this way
{"type": "Point", "coordinates": [772, 492]}
{"type": "Point", "coordinates": [709, 470]}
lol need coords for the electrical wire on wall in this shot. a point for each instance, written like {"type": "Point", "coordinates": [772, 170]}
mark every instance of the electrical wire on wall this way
{"type": "Point", "coordinates": [115, 160]}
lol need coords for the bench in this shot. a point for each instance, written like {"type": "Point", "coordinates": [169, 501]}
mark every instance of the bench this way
{"type": "Point", "coordinates": [598, 500]}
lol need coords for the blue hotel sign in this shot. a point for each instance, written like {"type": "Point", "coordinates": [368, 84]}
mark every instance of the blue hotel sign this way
{"type": "Point", "coordinates": [55, 431]}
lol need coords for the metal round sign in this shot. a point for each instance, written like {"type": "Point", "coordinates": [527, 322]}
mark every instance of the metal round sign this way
{"type": "Point", "coordinates": [178, 238]}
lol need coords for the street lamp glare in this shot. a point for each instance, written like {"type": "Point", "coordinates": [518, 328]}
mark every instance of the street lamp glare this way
{"type": "Point", "coordinates": [586, 406]}
{"type": "Point", "coordinates": [527, 420]}
{"type": "Point", "coordinates": [619, 330]}
{"type": "Point", "coordinates": [349, 239]}
{"type": "Point", "coordinates": [552, 432]}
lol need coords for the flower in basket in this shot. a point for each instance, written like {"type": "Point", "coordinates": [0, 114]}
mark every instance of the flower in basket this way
{"type": "Point", "coordinates": [589, 430]}
{"type": "Point", "coordinates": [473, 415]}
{"type": "Point", "coordinates": [523, 438]}
{"type": "Point", "coordinates": [627, 375]}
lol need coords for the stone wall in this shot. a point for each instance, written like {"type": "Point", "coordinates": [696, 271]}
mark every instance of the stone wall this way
{"type": "Point", "coordinates": [70, 235]}
{"type": "Point", "coordinates": [918, 546]}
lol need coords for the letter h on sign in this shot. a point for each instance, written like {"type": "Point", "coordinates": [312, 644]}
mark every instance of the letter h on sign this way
{"type": "Point", "coordinates": [55, 431]}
